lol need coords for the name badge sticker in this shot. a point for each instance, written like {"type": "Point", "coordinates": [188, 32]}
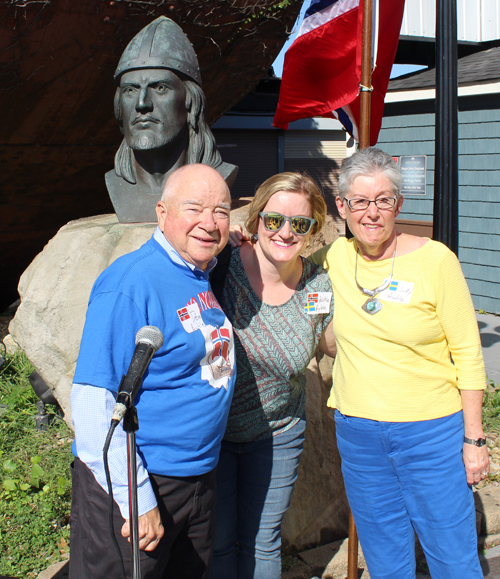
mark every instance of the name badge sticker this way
{"type": "Point", "coordinates": [318, 303]}
{"type": "Point", "coordinates": [398, 292]}
{"type": "Point", "coordinates": [190, 318]}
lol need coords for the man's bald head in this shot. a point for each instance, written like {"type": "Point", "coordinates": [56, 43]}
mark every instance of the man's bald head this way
{"type": "Point", "coordinates": [188, 176]}
{"type": "Point", "coordinates": [193, 213]}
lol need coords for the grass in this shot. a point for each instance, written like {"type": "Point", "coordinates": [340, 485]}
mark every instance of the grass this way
{"type": "Point", "coordinates": [491, 408]}
{"type": "Point", "coordinates": [35, 488]}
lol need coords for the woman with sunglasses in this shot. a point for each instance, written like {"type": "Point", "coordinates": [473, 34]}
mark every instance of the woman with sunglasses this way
{"type": "Point", "coordinates": [408, 382]}
{"type": "Point", "coordinates": [280, 307]}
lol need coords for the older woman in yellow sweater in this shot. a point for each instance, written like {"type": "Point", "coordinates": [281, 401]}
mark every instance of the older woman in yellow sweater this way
{"type": "Point", "coordinates": [408, 382]}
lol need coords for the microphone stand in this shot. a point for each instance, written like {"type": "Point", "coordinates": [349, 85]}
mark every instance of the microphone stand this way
{"type": "Point", "coordinates": [131, 426]}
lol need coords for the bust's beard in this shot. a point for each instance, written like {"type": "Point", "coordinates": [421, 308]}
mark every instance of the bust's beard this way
{"type": "Point", "coordinates": [147, 142]}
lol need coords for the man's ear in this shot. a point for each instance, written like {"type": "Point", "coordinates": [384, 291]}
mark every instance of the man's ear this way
{"type": "Point", "coordinates": [340, 207]}
{"type": "Point", "coordinates": [161, 214]}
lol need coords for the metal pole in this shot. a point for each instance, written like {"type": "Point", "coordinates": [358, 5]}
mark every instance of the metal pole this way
{"type": "Point", "coordinates": [364, 141]}
{"type": "Point", "coordinates": [365, 85]}
{"type": "Point", "coordinates": [366, 76]}
{"type": "Point", "coordinates": [130, 426]}
{"type": "Point", "coordinates": [446, 155]}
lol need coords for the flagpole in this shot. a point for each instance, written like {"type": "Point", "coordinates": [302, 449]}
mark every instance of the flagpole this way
{"type": "Point", "coordinates": [365, 88]}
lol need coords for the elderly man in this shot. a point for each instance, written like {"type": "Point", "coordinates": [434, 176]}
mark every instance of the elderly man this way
{"type": "Point", "coordinates": [160, 107]}
{"type": "Point", "coordinates": [184, 400]}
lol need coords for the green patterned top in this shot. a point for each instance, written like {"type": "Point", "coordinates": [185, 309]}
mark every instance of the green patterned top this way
{"type": "Point", "coordinates": [274, 345]}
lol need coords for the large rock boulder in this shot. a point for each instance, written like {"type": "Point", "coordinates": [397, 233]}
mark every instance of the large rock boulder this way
{"type": "Point", "coordinates": [55, 290]}
{"type": "Point", "coordinates": [318, 512]}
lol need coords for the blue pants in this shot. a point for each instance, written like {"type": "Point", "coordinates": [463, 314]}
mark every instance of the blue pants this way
{"type": "Point", "coordinates": [407, 477]}
{"type": "Point", "coordinates": [254, 487]}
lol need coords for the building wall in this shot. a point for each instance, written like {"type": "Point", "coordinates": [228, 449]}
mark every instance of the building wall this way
{"type": "Point", "coordinates": [255, 152]}
{"type": "Point", "coordinates": [477, 20]}
{"type": "Point", "coordinates": [313, 146]}
{"type": "Point", "coordinates": [479, 185]}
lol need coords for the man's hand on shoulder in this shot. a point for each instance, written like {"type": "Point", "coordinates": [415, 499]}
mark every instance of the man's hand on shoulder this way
{"type": "Point", "coordinates": [150, 530]}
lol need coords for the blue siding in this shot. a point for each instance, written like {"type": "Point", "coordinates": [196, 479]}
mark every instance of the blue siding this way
{"type": "Point", "coordinates": [479, 190]}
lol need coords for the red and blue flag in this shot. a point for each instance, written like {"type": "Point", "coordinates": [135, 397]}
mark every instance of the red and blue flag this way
{"type": "Point", "coordinates": [221, 339]}
{"type": "Point", "coordinates": [322, 69]}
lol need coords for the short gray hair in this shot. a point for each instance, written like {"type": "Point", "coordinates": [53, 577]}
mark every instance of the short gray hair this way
{"type": "Point", "coordinates": [367, 163]}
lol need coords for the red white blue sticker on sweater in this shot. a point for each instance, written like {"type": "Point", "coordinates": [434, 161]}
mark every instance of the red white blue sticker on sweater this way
{"type": "Point", "coordinates": [190, 317]}
{"type": "Point", "coordinates": [217, 366]}
{"type": "Point", "coordinates": [318, 303]}
{"type": "Point", "coordinates": [398, 292]}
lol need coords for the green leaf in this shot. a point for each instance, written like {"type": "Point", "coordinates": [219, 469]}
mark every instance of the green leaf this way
{"type": "Point", "coordinates": [24, 486]}
{"type": "Point", "coordinates": [37, 471]}
{"type": "Point", "coordinates": [61, 485]}
{"type": "Point", "coordinates": [36, 459]}
{"type": "Point", "coordinates": [9, 465]}
{"type": "Point", "coordinates": [9, 484]}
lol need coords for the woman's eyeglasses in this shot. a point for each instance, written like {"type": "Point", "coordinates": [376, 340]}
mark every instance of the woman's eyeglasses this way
{"type": "Point", "coordinates": [362, 204]}
{"type": "Point", "coordinates": [275, 221]}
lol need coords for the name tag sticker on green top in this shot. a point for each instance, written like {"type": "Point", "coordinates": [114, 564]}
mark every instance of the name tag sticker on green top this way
{"type": "Point", "coordinates": [398, 291]}
{"type": "Point", "coordinates": [318, 303]}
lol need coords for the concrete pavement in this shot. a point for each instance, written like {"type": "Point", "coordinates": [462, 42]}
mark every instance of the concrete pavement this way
{"type": "Point", "coordinates": [490, 562]}
{"type": "Point", "coordinates": [489, 328]}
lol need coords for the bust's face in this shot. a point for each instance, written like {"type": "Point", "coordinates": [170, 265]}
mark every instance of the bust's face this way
{"type": "Point", "coordinates": [153, 108]}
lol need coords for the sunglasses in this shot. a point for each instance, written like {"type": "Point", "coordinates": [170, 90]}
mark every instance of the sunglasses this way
{"type": "Point", "coordinates": [299, 225]}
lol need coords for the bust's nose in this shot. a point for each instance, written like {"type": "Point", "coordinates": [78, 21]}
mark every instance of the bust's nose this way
{"type": "Point", "coordinates": [144, 103]}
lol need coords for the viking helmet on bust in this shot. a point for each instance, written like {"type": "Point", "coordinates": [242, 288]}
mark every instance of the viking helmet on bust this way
{"type": "Point", "coordinates": [161, 44]}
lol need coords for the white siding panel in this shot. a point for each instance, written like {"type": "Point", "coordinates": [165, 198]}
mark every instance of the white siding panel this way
{"type": "Point", "coordinates": [469, 20]}
{"type": "Point", "coordinates": [412, 18]}
{"type": "Point", "coordinates": [428, 18]}
{"type": "Point", "coordinates": [490, 15]}
{"type": "Point", "coordinates": [477, 20]}
{"type": "Point", "coordinates": [307, 145]}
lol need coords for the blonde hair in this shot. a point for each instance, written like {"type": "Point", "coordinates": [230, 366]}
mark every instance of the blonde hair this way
{"type": "Point", "coordinates": [292, 183]}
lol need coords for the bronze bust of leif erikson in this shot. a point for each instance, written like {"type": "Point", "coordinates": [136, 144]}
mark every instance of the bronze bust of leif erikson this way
{"type": "Point", "coordinates": [160, 107]}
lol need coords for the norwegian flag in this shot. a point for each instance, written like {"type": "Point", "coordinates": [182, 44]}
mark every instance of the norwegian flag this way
{"type": "Point", "coordinates": [220, 339]}
{"type": "Point", "coordinates": [312, 297]}
{"type": "Point", "coordinates": [322, 69]}
{"type": "Point", "coordinates": [183, 314]}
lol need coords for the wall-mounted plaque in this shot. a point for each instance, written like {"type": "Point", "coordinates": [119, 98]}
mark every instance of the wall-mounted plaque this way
{"type": "Point", "coordinates": [413, 169]}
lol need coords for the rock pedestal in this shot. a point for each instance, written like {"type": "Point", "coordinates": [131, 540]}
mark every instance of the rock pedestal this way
{"type": "Point", "coordinates": [55, 290]}
{"type": "Point", "coordinates": [318, 512]}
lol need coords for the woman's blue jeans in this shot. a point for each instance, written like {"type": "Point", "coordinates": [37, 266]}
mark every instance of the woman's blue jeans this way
{"type": "Point", "coordinates": [254, 487]}
{"type": "Point", "coordinates": [407, 477]}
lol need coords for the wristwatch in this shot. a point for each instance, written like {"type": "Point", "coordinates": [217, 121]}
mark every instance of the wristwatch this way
{"type": "Point", "coordinates": [475, 441]}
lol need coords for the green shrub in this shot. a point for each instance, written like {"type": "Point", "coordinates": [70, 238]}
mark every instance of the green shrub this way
{"type": "Point", "coordinates": [35, 488]}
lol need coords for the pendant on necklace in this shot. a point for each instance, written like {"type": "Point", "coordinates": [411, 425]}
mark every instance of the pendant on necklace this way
{"type": "Point", "coordinates": [372, 306]}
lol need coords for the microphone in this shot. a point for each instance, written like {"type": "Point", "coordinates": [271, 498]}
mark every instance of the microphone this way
{"type": "Point", "coordinates": [148, 340]}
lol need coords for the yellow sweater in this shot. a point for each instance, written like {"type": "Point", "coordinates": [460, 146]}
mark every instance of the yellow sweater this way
{"type": "Point", "coordinates": [395, 365]}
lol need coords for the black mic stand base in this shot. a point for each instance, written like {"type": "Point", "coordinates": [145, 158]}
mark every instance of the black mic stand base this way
{"type": "Point", "coordinates": [131, 426]}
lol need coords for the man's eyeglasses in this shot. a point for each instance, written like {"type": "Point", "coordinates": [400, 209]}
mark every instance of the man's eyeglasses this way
{"type": "Point", "coordinates": [363, 204]}
{"type": "Point", "coordinates": [275, 221]}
